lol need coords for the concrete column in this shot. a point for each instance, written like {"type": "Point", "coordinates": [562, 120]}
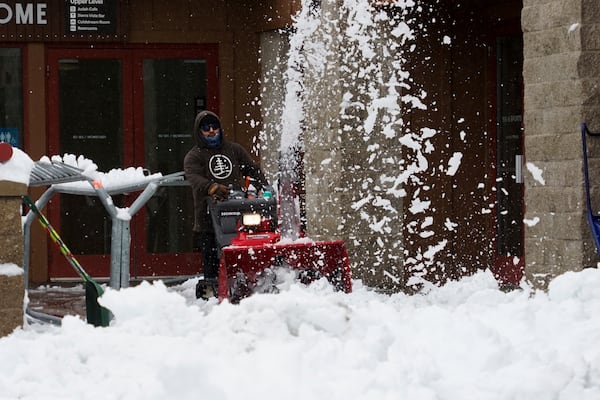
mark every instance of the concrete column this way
{"type": "Point", "coordinates": [344, 165]}
{"type": "Point", "coordinates": [274, 46]}
{"type": "Point", "coordinates": [562, 76]}
{"type": "Point", "coordinates": [348, 154]}
{"type": "Point", "coordinates": [12, 288]}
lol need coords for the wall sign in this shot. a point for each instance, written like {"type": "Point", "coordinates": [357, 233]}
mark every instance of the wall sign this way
{"type": "Point", "coordinates": [60, 20]}
{"type": "Point", "coordinates": [23, 13]}
{"type": "Point", "coordinates": [91, 16]}
{"type": "Point", "coordinates": [10, 136]}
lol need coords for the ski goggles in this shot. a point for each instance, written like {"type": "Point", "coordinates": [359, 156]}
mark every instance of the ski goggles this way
{"type": "Point", "coordinates": [208, 127]}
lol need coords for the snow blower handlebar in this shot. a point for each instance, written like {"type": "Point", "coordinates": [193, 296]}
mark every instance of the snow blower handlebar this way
{"type": "Point", "coordinates": [228, 215]}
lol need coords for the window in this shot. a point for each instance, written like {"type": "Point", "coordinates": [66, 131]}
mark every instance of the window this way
{"type": "Point", "coordinates": [11, 97]}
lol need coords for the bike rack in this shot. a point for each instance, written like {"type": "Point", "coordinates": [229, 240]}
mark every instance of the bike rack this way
{"type": "Point", "coordinates": [63, 178]}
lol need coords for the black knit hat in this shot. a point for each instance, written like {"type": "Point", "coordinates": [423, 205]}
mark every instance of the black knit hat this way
{"type": "Point", "coordinates": [203, 118]}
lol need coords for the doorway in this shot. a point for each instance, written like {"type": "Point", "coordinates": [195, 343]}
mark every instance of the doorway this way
{"type": "Point", "coordinates": [123, 108]}
{"type": "Point", "coordinates": [509, 211]}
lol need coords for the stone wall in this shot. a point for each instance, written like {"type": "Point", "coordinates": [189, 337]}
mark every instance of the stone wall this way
{"type": "Point", "coordinates": [12, 290]}
{"type": "Point", "coordinates": [561, 76]}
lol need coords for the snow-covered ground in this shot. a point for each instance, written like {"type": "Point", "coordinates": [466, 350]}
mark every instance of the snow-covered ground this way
{"type": "Point", "coordinates": [467, 340]}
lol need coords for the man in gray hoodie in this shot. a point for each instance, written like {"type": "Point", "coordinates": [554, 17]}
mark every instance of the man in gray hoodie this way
{"type": "Point", "coordinates": [213, 167]}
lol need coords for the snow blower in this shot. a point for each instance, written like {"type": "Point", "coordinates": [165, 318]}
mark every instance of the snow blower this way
{"type": "Point", "coordinates": [252, 250]}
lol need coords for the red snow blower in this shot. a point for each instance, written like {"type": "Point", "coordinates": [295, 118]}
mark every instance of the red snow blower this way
{"type": "Point", "coordinates": [252, 252]}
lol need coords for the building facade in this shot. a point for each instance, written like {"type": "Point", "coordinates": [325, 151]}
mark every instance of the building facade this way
{"type": "Point", "coordinates": [119, 82]}
{"type": "Point", "coordinates": [561, 43]}
{"type": "Point", "coordinates": [504, 86]}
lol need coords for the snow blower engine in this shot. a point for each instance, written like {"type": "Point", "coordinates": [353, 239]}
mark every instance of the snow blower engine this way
{"type": "Point", "coordinates": [252, 254]}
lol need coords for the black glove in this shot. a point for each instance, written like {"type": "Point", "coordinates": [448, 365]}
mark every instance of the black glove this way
{"type": "Point", "coordinates": [218, 192]}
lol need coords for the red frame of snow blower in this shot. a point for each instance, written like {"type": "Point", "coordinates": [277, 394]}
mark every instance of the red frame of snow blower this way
{"type": "Point", "coordinates": [327, 259]}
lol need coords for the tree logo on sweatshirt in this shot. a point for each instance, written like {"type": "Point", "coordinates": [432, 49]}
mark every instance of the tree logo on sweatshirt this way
{"type": "Point", "coordinates": [220, 166]}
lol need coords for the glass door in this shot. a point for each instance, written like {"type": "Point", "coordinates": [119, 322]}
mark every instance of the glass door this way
{"type": "Point", "coordinates": [89, 99]}
{"type": "Point", "coordinates": [11, 97]}
{"type": "Point", "coordinates": [509, 157]}
{"type": "Point", "coordinates": [121, 108]}
{"type": "Point", "coordinates": [173, 88]}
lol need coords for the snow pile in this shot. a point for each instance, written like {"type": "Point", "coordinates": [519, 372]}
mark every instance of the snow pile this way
{"type": "Point", "coordinates": [17, 168]}
{"type": "Point", "coordinates": [536, 173]}
{"type": "Point", "coordinates": [88, 167]}
{"type": "Point", "coordinates": [466, 340]}
{"type": "Point", "coordinates": [10, 269]}
{"type": "Point", "coordinates": [115, 178]}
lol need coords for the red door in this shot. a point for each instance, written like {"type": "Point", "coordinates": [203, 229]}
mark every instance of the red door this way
{"type": "Point", "coordinates": [122, 108]}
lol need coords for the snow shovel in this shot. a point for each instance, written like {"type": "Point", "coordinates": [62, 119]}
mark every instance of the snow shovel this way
{"type": "Point", "coordinates": [96, 314]}
{"type": "Point", "coordinates": [593, 218]}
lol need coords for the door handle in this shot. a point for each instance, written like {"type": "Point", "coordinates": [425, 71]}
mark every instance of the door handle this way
{"type": "Point", "coordinates": [519, 168]}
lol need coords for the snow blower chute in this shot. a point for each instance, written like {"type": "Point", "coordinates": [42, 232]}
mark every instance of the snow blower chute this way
{"type": "Point", "coordinates": [252, 249]}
